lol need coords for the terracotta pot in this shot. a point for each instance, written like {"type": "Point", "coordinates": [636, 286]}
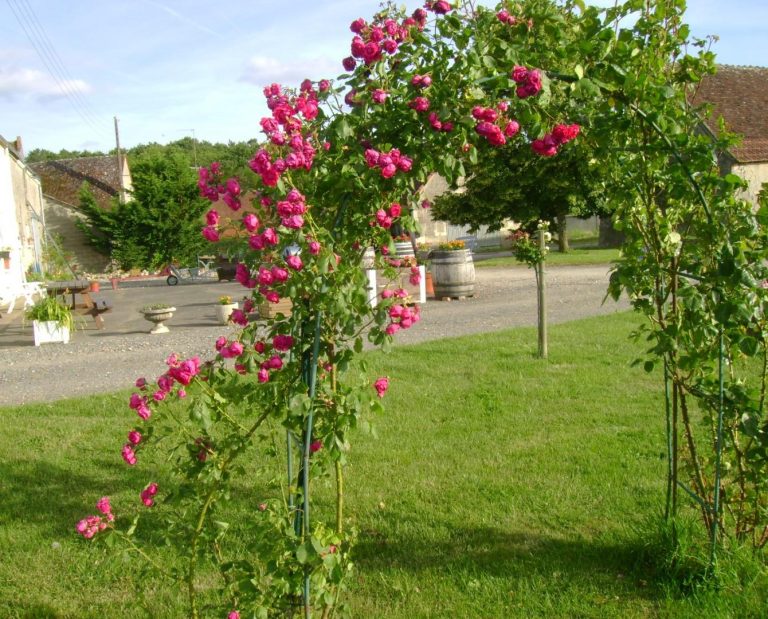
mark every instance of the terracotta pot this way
{"type": "Point", "coordinates": [429, 284]}
{"type": "Point", "coordinates": [114, 281]}
{"type": "Point", "coordinates": [94, 287]}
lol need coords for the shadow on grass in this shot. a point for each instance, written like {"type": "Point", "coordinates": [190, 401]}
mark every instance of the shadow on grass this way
{"type": "Point", "coordinates": [467, 552]}
{"type": "Point", "coordinates": [53, 498]}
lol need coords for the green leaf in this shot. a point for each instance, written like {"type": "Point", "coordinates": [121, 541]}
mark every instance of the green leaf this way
{"type": "Point", "coordinates": [579, 71]}
{"type": "Point", "coordinates": [648, 366]}
{"type": "Point", "coordinates": [303, 553]}
{"type": "Point", "coordinates": [299, 405]}
{"type": "Point", "coordinates": [749, 346]}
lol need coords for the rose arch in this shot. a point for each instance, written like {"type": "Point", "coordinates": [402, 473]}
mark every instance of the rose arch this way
{"type": "Point", "coordinates": [342, 162]}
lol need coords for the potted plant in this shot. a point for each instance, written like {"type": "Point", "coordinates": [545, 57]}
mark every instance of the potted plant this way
{"type": "Point", "coordinates": [224, 309]}
{"type": "Point", "coordinates": [5, 254]}
{"type": "Point", "coordinates": [158, 313]}
{"type": "Point", "coordinates": [51, 321]}
{"type": "Point", "coordinates": [453, 270]}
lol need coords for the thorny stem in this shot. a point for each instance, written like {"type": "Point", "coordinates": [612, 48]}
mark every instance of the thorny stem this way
{"type": "Point", "coordinates": [204, 512]}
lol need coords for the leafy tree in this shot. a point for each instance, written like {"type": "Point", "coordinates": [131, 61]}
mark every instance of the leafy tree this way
{"type": "Point", "coordinates": [513, 186]}
{"type": "Point", "coordinates": [159, 224]}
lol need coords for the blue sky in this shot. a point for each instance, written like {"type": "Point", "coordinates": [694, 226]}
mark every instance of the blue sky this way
{"type": "Point", "coordinates": [168, 67]}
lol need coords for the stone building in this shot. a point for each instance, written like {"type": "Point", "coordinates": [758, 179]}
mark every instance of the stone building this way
{"type": "Point", "coordinates": [22, 220]}
{"type": "Point", "coordinates": [61, 180]}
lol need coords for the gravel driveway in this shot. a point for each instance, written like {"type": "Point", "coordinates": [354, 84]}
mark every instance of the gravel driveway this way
{"type": "Point", "coordinates": [102, 361]}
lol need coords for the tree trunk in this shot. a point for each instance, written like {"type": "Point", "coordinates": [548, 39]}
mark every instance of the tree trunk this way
{"type": "Point", "coordinates": [562, 235]}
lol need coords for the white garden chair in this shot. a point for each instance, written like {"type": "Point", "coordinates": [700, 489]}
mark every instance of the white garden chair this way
{"type": "Point", "coordinates": [9, 294]}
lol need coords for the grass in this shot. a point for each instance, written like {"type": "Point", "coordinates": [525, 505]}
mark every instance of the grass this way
{"type": "Point", "coordinates": [575, 257]}
{"type": "Point", "coordinates": [496, 485]}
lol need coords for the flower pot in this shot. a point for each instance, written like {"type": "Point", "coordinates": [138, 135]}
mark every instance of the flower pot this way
{"type": "Point", "coordinates": [158, 317]}
{"type": "Point", "coordinates": [223, 312]}
{"type": "Point", "coordinates": [429, 284]}
{"type": "Point", "coordinates": [453, 273]}
{"type": "Point", "coordinates": [46, 331]}
{"type": "Point", "coordinates": [94, 287]}
{"type": "Point", "coordinates": [114, 281]}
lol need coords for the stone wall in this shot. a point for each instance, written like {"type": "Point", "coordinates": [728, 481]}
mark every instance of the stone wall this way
{"type": "Point", "coordinates": [60, 221]}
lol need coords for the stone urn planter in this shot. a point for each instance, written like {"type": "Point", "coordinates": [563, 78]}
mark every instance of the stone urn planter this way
{"type": "Point", "coordinates": [158, 315]}
{"type": "Point", "coordinates": [453, 273]}
{"type": "Point", "coordinates": [223, 311]}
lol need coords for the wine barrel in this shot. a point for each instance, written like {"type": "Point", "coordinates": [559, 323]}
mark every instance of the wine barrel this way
{"type": "Point", "coordinates": [453, 273]}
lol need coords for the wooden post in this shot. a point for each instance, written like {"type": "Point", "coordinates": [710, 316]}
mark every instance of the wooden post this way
{"type": "Point", "coordinates": [542, 297]}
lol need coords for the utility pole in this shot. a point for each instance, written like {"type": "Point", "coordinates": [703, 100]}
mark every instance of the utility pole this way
{"type": "Point", "coordinates": [121, 191]}
{"type": "Point", "coordinates": [194, 147]}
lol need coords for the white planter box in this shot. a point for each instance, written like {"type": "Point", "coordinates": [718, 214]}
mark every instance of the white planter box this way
{"type": "Point", "coordinates": [377, 282]}
{"type": "Point", "coordinates": [49, 331]}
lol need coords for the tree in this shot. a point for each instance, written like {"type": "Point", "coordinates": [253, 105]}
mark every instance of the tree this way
{"type": "Point", "coordinates": [513, 186]}
{"type": "Point", "coordinates": [159, 224]}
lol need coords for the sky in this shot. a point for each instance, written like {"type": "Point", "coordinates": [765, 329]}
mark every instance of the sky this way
{"type": "Point", "coordinates": [174, 68]}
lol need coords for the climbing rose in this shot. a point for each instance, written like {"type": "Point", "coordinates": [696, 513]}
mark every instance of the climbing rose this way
{"type": "Point", "coordinates": [148, 493]}
{"type": "Point", "coordinates": [128, 455]}
{"type": "Point", "coordinates": [381, 385]}
{"type": "Point", "coordinates": [103, 506]}
{"type": "Point", "coordinates": [211, 234]}
{"type": "Point", "coordinates": [379, 96]}
{"type": "Point", "coordinates": [251, 222]}
{"type": "Point", "coordinates": [282, 342]}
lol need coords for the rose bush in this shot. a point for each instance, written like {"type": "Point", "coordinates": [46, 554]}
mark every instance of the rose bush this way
{"type": "Point", "coordinates": [340, 164]}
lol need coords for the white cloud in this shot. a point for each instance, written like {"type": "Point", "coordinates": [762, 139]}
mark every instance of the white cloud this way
{"type": "Point", "coordinates": [263, 70]}
{"type": "Point", "coordinates": [20, 81]}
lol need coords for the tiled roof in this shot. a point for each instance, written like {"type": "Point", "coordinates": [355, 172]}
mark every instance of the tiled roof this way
{"type": "Point", "coordinates": [62, 179]}
{"type": "Point", "coordinates": [740, 96]}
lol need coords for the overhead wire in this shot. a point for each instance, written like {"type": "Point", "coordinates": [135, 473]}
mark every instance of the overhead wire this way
{"type": "Point", "coordinates": [45, 50]}
{"type": "Point", "coordinates": [57, 61]}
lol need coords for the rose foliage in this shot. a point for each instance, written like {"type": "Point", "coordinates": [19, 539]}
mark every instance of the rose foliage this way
{"type": "Point", "coordinates": [341, 162]}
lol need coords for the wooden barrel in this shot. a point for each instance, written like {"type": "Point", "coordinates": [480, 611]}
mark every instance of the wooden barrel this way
{"type": "Point", "coordinates": [404, 249]}
{"type": "Point", "coordinates": [453, 273]}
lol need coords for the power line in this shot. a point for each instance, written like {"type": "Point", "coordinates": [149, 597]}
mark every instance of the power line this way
{"type": "Point", "coordinates": [47, 54]}
{"type": "Point", "coordinates": [57, 61]}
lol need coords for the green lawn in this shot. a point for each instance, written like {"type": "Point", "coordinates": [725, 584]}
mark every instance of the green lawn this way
{"type": "Point", "coordinates": [577, 256]}
{"type": "Point", "coordinates": [496, 485]}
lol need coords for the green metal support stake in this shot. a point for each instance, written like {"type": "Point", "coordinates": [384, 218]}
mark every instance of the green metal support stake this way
{"type": "Point", "coordinates": [718, 459]}
{"type": "Point", "coordinates": [670, 472]}
{"type": "Point", "coordinates": [542, 297]}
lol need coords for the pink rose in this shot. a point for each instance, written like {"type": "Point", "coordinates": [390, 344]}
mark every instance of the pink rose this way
{"type": "Point", "coordinates": [388, 171]}
{"type": "Point", "coordinates": [128, 455]}
{"type": "Point", "coordinates": [134, 437]}
{"type": "Point", "coordinates": [282, 342]}
{"type": "Point", "coordinates": [212, 217]}
{"type": "Point", "coordinates": [251, 222]}
{"type": "Point", "coordinates": [211, 234]}
{"type": "Point", "coordinates": [381, 385]}
{"type": "Point", "coordinates": [103, 505]}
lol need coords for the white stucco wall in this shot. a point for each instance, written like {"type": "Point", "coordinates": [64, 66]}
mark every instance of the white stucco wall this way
{"type": "Point", "coordinates": [10, 239]}
{"type": "Point", "coordinates": [755, 174]}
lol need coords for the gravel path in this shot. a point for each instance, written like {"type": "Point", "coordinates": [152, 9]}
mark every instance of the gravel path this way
{"type": "Point", "coordinates": [103, 361]}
